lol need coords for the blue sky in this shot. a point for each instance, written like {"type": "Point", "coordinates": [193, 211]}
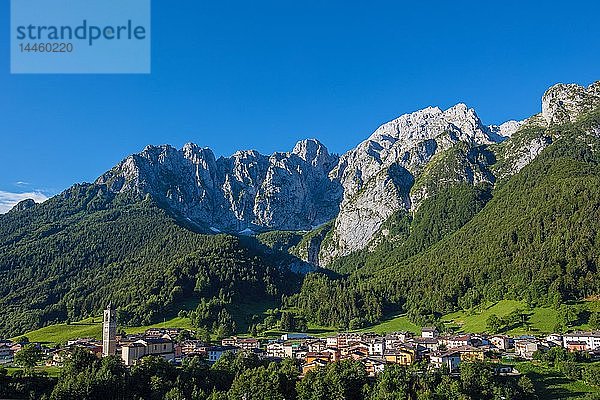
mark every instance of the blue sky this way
{"type": "Point", "coordinates": [264, 74]}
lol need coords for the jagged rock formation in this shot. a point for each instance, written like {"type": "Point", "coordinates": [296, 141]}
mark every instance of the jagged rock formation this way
{"type": "Point", "coordinates": [506, 129]}
{"type": "Point", "coordinates": [564, 102]}
{"type": "Point", "coordinates": [288, 191]}
{"type": "Point", "coordinates": [379, 173]}
{"type": "Point", "coordinates": [399, 166]}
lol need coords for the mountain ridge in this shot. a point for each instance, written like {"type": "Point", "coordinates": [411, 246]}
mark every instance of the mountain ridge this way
{"type": "Point", "coordinates": [154, 232]}
{"type": "Point", "coordinates": [306, 187]}
{"type": "Point", "coordinates": [302, 188]}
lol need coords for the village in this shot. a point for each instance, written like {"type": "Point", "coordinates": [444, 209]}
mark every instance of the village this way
{"type": "Point", "coordinates": [373, 350]}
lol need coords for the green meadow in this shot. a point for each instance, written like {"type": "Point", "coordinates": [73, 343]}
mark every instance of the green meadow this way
{"type": "Point", "coordinates": [540, 320]}
{"type": "Point", "coordinates": [92, 328]}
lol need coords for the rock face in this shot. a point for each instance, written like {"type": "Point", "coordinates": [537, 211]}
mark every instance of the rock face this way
{"type": "Point", "coordinates": [288, 191]}
{"type": "Point", "coordinates": [378, 175]}
{"type": "Point", "coordinates": [401, 164]}
{"type": "Point", "coordinates": [506, 129]}
{"type": "Point", "coordinates": [565, 102]}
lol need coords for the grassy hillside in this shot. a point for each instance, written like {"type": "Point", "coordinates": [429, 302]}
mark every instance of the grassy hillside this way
{"type": "Point", "coordinates": [397, 324]}
{"type": "Point", "coordinates": [540, 320]}
{"type": "Point", "coordinates": [61, 333]}
{"type": "Point", "coordinates": [92, 328]}
{"type": "Point", "coordinates": [551, 383]}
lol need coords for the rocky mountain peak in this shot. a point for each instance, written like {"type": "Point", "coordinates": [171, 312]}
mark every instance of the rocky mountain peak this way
{"type": "Point", "coordinates": [460, 121]}
{"type": "Point", "coordinates": [565, 102]}
{"type": "Point", "coordinates": [313, 152]}
{"type": "Point", "coordinates": [401, 164]}
{"type": "Point", "coordinates": [506, 129]}
{"type": "Point", "coordinates": [197, 154]}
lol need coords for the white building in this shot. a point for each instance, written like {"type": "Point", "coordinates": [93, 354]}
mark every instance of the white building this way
{"type": "Point", "coordinates": [276, 350]}
{"type": "Point", "coordinates": [525, 348]}
{"type": "Point", "coordinates": [450, 359]}
{"type": "Point", "coordinates": [555, 339]}
{"type": "Point", "coordinates": [215, 352]}
{"type": "Point", "coordinates": [396, 338]}
{"type": "Point", "coordinates": [376, 347]}
{"type": "Point", "coordinates": [591, 339]}
{"type": "Point", "coordinates": [109, 332]}
{"type": "Point", "coordinates": [429, 332]}
{"type": "Point", "coordinates": [456, 341]}
{"type": "Point", "coordinates": [132, 352]}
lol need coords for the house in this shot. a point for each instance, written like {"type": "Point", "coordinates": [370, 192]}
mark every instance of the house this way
{"type": "Point", "coordinates": [193, 347]}
{"type": "Point", "coordinates": [312, 365]}
{"type": "Point", "coordinates": [230, 341]}
{"type": "Point", "coordinates": [357, 348]}
{"type": "Point", "coordinates": [6, 354]}
{"type": "Point", "coordinates": [92, 345]}
{"type": "Point", "coordinates": [400, 355]}
{"type": "Point", "coordinates": [343, 340]}
{"type": "Point", "coordinates": [357, 353]}
{"type": "Point", "coordinates": [242, 343]}
{"type": "Point", "coordinates": [555, 339]}
{"type": "Point", "coordinates": [456, 341]}
{"type": "Point", "coordinates": [301, 354]}
{"type": "Point", "coordinates": [325, 357]}
{"type": "Point", "coordinates": [525, 348]}
{"type": "Point", "coordinates": [426, 343]}
{"type": "Point", "coordinates": [351, 338]}
{"type": "Point", "coordinates": [83, 342]}
{"type": "Point", "coordinates": [376, 347]}
{"type": "Point", "coordinates": [470, 353]}
{"type": "Point", "coordinates": [215, 352]}
{"type": "Point", "coordinates": [374, 365]}
{"type": "Point", "coordinates": [429, 332]}
{"type": "Point", "coordinates": [576, 346]}
{"type": "Point", "coordinates": [332, 341]}
{"type": "Point", "coordinates": [161, 332]}
{"type": "Point", "coordinates": [450, 360]}
{"type": "Point", "coordinates": [315, 346]}
{"type": "Point", "coordinates": [292, 350]}
{"type": "Point", "coordinates": [393, 339]}
{"type": "Point", "coordinates": [336, 354]}
{"type": "Point", "coordinates": [276, 350]}
{"type": "Point", "coordinates": [57, 358]}
{"type": "Point", "coordinates": [132, 352]}
{"type": "Point", "coordinates": [248, 343]}
{"type": "Point", "coordinates": [501, 342]}
{"type": "Point", "coordinates": [591, 339]}
{"type": "Point", "coordinates": [16, 347]}
{"type": "Point", "coordinates": [368, 336]}
{"type": "Point", "coordinates": [480, 341]}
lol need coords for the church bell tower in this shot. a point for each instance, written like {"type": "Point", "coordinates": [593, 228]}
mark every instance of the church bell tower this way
{"type": "Point", "coordinates": [109, 332]}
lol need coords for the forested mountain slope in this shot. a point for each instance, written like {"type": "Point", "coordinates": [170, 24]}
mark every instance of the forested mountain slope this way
{"type": "Point", "coordinates": [537, 238]}
{"type": "Point", "coordinates": [67, 258]}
